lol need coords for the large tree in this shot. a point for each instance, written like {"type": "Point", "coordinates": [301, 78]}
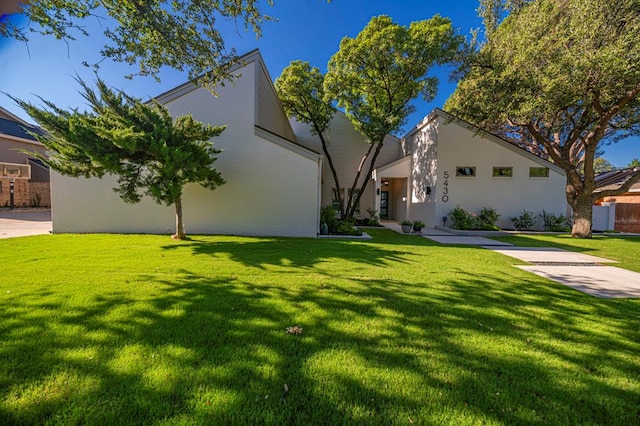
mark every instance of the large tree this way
{"type": "Point", "coordinates": [376, 75]}
{"type": "Point", "coordinates": [181, 34]}
{"type": "Point", "coordinates": [559, 78]}
{"type": "Point", "coordinates": [152, 153]}
{"type": "Point", "coordinates": [301, 89]}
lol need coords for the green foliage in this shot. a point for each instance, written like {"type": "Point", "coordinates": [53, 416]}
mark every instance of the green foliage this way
{"type": "Point", "coordinates": [633, 164]}
{"type": "Point", "coordinates": [462, 219]}
{"type": "Point", "coordinates": [375, 75]}
{"type": "Point", "coordinates": [524, 222]}
{"type": "Point", "coordinates": [132, 329]}
{"type": "Point", "coordinates": [181, 34]}
{"type": "Point", "coordinates": [374, 217]}
{"type": "Point", "coordinates": [602, 165]}
{"type": "Point", "coordinates": [328, 216]}
{"type": "Point", "coordinates": [300, 87]}
{"type": "Point", "coordinates": [346, 227]}
{"type": "Point", "coordinates": [151, 153]}
{"type": "Point", "coordinates": [417, 225]}
{"type": "Point", "coordinates": [488, 217]}
{"type": "Point", "coordinates": [559, 78]}
{"type": "Point", "coordinates": [555, 223]}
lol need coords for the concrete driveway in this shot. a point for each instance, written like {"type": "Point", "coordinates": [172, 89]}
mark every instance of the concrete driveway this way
{"type": "Point", "coordinates": [21, 223]}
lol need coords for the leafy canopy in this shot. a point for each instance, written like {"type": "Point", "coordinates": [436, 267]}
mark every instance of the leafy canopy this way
{"type": "Point", "coordinates": [375, 75]}
{"type": "Point", "coordinates": [181, 34]}
{"type": "Point", "coordinates": [559, 78]}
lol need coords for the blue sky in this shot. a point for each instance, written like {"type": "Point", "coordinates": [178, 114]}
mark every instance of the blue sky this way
{"type": "Point", "coordinates": [310, 30]}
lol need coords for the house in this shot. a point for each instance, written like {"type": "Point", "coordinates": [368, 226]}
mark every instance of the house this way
{"type": "Point", "coordinates": [273, 183]}
{"type": "Point", "coordinates": [450, 163]}
{"type": "Point", "coordinates": [28, 176]}
{"type": "Point", "coordinates": [277, 182]}
{"type": "Point", "coordinates": [620, 212]}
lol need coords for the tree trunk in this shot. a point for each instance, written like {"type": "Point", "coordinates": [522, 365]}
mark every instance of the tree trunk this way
{"type": "Point", "coordinates": [179, 235]}
{"type": "Point", "coordinates": [582, 217]}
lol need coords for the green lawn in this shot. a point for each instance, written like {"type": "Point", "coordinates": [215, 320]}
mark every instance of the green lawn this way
{"type": "Point", "coordinates": [99, 329]}
{"type": "Point", "coordinates": [623, 249]}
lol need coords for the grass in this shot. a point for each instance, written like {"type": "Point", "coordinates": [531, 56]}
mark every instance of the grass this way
{"type": "Point", "coordinates": [624, 249]}
{"type": "Point", "coordinates": [107, 329]}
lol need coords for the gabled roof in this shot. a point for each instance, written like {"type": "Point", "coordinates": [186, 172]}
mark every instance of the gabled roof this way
{"type": "Point", "coordinates": [438, 113]}
{"type": "Point", "coordinates": [18, 129]}
{"type": "Point", "coordinates": [616, 178]}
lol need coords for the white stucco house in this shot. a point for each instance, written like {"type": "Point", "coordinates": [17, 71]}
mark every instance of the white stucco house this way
{"type": "Point", "coordinates": [450, 163]}
{"type": "Point", "coordinates": [277, 182]}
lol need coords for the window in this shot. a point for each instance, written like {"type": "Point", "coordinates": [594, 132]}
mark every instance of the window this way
{"type": "Point", "coordinates": [503, 172]}
{"type": "Point", "coordinates": [466, 171]}
{"type": "Point", "coordinates": [334, 198]}
{"type": "Point", "coordinates": [538, 172]}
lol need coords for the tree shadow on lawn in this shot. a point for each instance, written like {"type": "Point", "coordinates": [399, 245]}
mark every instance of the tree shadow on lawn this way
{"type": "Point", "coordinates": [475, 347]}
{"type": "Point", "coordinates": [568, 243]}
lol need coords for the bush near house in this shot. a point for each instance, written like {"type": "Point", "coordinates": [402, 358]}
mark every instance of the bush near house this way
{"type": "Point", "coordinates": [524, 222]}
{"type": "Point", "coordinates": [555, 223]}
{"type": "Point", "coordinates": [337, 226]}
{"type": "Point", "coordinates": [463, 219]}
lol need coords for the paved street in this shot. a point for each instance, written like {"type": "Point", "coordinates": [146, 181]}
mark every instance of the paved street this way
{"type": "Point", "coordinates": [21, 223]}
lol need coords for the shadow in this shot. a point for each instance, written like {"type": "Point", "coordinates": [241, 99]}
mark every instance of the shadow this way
{"type": "Point", "coordinates": [393, 333]}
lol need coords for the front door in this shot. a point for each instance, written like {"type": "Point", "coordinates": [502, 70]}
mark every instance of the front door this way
{"type": "Point", "coordinates": [384, 205]}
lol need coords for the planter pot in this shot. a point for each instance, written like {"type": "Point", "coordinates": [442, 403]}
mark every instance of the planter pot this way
{"type": "Point", "coordinates": [407, 229]}
{"type": "Point", "coordinates": [417, 229]}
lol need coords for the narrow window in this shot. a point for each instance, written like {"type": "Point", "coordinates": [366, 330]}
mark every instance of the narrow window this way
{"type": "Point", "coordinates": [466, 171]}
{"type": "Point", "coordinates": [334, 198]}
{"type": "Point", "coordinates": [503, 172]}
{"type": "Point", "coordinates": [538, 172]}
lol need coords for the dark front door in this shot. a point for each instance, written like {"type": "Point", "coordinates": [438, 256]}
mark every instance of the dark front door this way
{"type": "Point", "coordinates": [384, 205]}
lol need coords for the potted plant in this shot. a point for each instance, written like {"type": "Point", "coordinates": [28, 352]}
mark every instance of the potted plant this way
{"type": "Point", "coordinates": [417, 226]}
{"type": "Point", "coordinates": [407, 226]}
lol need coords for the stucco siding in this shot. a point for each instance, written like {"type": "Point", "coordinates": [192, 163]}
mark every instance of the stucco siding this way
{"type": "Point", "coordinates": [458, 146]}
{"type": "Point", "coordinates": [270, 114]}
{"type": "Point", "coordinates": [347, 147]}
{"type": "Point", "coordinates": [270, 189]}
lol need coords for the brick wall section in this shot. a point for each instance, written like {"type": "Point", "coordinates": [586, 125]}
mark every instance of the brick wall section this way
{"type": "Point", "coordinates": [24, 193]}
{"type": "Point", "coordinates": [623, 199]}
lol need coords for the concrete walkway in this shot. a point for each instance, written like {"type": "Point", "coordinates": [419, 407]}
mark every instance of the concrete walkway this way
{"type": "Point", "coordinates": [580, 271]}
{"type": "Point", "coordinates": [22, 223]}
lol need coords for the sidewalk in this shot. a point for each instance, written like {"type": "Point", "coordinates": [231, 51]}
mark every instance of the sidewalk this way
{"type": "Point", "coordinates": [22, 223]}
{"type": "Point", "coordinates": [580, 271]}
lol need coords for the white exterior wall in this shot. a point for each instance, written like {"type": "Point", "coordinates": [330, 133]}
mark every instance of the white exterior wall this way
{"type": "Point", "coordinates": [459, 146]}
{"type": "Point", "coordinates": [270, 190]}
{"type": "Point", "coordinates": [347, 147]}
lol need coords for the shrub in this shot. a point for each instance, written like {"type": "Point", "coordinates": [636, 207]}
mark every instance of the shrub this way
{"type": "Point", "coordinates": [328, 216]}
{"type": "Point", "coordinates": [462, 219]}
{"type": "Point", "coordinates": [488, 217]}
{"type": "Point", "coordinates": [374, 217]}
{"type": "Point", "coordinates": [345, 227]}
{"type": "Point", "coordinates": [524, 222]}
{"type": "Point", "coordinates": [555, 222]}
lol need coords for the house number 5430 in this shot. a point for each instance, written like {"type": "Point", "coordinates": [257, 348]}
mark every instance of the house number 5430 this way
{"type": "Point", "coordinates": [445, 187]}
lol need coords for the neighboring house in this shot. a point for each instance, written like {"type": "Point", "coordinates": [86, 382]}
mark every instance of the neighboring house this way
{"type": "Point", "coordinates": [273, 184]}
{"type": "Point", "coordinates": [450, 163]}
{"type": "Point", "coordinates": [30, 176]}
{"type": "Point", "coordinates": [625, 207]}
{"type": "Point", "coordinates": [277, 183]}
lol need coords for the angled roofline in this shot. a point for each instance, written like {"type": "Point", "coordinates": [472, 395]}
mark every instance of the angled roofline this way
{"type": "Point", "coordinates": [287, 144]}
{"type": "Point", "coordinates": [191, 85]}
{"type": "Point", "coordinates": [15, 117]}
{"type": "Point", "coordinates": [393, 163]}
{"type": "Point", "coordinates": [439, 113]}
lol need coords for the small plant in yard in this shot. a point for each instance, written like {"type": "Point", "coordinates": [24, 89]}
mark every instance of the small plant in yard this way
{"type": "Point", "coordinates": [524, 222]}
{"type": "Point", "coordinates": [462, 219]}
{"type": "Point", "coordinates": [417, 225]}
{"type": "Point", "coordinates": [374, 217]}
{"type": "Point", "coordinates": [487, 218]}
{"type": "Point", "coordinates": [555, 222]}
{"type": "Point", "coordinates": [345, 227]}
{"type": "Point", "coordinates": [328, 217]}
